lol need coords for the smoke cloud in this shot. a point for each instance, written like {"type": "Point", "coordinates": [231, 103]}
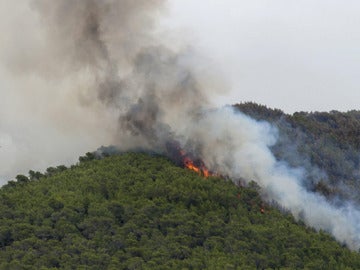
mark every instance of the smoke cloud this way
{"type": "Point", "coordinates": [240, 147]}
{"type": "Point", "coordinates": [88, 73]}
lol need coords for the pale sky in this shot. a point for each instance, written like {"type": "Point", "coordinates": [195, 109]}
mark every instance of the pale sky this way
{"type": "Point", "coordinates": [289, 54]}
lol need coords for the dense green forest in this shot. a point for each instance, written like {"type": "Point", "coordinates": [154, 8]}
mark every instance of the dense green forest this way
{"type": "Point", "coordinates": [326, 144]}
{"type": "Point", "coordinates": [140, 211]}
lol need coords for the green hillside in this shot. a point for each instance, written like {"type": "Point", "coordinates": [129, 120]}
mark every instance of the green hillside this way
{"type": "Point", "coordinates": [329, 141]}
{"type": "Point", "coordinates": [138, 211]}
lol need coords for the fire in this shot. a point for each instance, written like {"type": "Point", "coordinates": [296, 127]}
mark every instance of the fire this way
{"type": "Point", "coordinates": [198, 166]}
{"type": "Point", "coordinates": [187, 160]}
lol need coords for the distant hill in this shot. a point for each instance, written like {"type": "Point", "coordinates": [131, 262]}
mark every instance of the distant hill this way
{"type": "Point", "coordinates": [326, 144]}
{"type": "Point", "coordinates": [140, 211]}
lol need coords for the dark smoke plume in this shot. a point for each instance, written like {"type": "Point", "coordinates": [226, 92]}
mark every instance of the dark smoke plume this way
{"type": "Point", "coordinates": [145, 83]}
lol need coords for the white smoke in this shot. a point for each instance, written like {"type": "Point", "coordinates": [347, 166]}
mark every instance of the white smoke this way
{"type": "Point", "coordinates": [239, 146]}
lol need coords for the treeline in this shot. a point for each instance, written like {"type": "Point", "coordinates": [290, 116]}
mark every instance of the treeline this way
{"type": "Point", "coordinates": [327, 141]}
{"type": "Point", "coordinates": [139, 211]}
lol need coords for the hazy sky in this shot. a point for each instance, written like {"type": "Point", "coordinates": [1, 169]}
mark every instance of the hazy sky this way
{"type": "Point", "coordinates": [290, 54]}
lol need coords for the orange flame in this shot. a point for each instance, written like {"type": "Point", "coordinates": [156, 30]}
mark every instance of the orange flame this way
{"type": "Point", "coordinates": [200, 169]}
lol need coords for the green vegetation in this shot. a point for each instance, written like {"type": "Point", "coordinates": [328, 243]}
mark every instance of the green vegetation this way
{"type": "Point", "coordinates": [328, 140]}
{"type": "Point", "coordinates": [137, 211]}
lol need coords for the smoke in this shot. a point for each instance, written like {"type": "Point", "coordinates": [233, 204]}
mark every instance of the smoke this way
{"type": "Point", "coordinates": [44, 116]}
{"type": "Point", "coordinates": [240, 147]}
{"type": "Point", "coordinates": [87, 73]}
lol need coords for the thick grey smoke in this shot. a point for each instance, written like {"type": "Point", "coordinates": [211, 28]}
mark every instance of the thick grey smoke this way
{"type": "Point", "coordinates": [97, 72]}
{"type": "Point", "coordinates": [240, 147]}
{"type": "Point", "coordinates": [86, 73]}
{"type": "Point", "coordinates": [146, 84]}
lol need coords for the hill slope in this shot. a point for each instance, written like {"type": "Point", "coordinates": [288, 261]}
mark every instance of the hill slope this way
{"type": "Point", "coordinates": [326, 141]}
{"type": "Point", "coordinates": [137, 211]}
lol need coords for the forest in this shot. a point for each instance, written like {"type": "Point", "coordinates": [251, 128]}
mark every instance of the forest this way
{"type": "Point", "coordinates": [140, 211]}
{"type": "Point", "coordinates": [326, 144]}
